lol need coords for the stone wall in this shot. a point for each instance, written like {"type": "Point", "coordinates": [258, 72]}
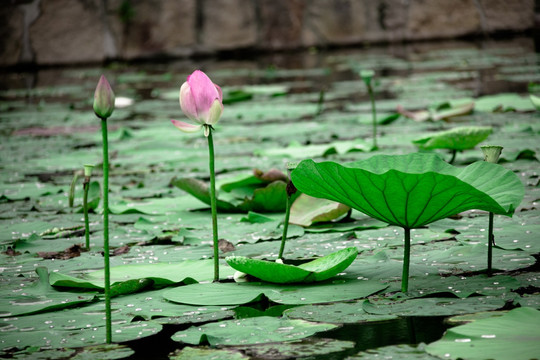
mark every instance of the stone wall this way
{"type": "Point", "coordinates": [51, 32]}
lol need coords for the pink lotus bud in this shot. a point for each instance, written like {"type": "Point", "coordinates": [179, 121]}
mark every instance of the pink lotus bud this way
{"type": "Point", "coordinates": [201, 100]}
{"type": "Point", "coordinates": [103, 99]}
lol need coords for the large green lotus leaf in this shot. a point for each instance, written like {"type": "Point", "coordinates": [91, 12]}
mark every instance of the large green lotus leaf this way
{"type": "Point", "coordinates": [307, 210]}
{"type": "Point", "coordinates": [460, 138]}
{"type": "Point", "coordinates": [515, 335]}
{"type": "Point", "coordinates": [162, 274]}
{"type": "Point", "coordinates": [249, 331]}
{"type": "Point", "coordinates": [243, 293]}
{"type": "Point", "coordinates": [411, 190]}
{"type": "Point", "coordinates": [40, 297]}
{"type": "Point", "coordinates": [317, 270]}
{"type": "Point", "coordinates": [432, 306]}
{"type": "Point", "coordinates": [338, 313]}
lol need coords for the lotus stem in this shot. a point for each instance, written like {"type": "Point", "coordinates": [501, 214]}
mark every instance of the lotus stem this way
{"type": "Point", "coordinates": [320, 102]}
{"type": "Point", "coordinates": [71, 198]}
{"type": "Point", "coordinates": [86, 184]}
{"type": "Point", "coordinates": [108, 321]}
{"type": "Point", "coordinates": [491, 242]}
{"type": "Point", "coordinates": [373, 114]}
{"type": "Point", "coordinates": [285, 225]}
{"type": "Point", "coordinates": [454, 152]}
{"type": "Point", "coordinates": [491, 154]}
{"type": "Point", "coordinates": [406, 259]}
{"type": "Point", "coordinates": [213, 203]}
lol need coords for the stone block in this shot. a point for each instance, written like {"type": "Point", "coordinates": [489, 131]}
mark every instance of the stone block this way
{"type": "Point", "coordinates": [512, 15]}
{"type": "Point", "coordinates": [228, 24]}
{"type": "Point", "coordinates": [146, 28]}
{"type": "Point", "coordinates": [338, 22]}
{"type": "Point", "coordinates": [442, 19]}
{"type": "Point", "coordinates": [67, 32]}
{"type": "Point", "coordinates": [280, 23]}
{"type": "Point", "coordinates": [11, 33]}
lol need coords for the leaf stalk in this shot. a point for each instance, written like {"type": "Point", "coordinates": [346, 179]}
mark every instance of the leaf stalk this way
{"type": "Point", "coordinates": [213, 202]}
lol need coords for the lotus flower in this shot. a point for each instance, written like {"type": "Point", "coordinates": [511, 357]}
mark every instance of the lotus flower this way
{"type": "Point", "coordinates": [103, 99]}
{"type": "Point", "coordinates": [201, 101]}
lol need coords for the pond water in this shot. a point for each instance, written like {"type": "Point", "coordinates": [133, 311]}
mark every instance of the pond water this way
{"type": "Point", "coordinates": [279, 108]}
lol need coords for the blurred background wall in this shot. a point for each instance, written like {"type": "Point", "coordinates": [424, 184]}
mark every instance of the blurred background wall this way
{"type": "Point", "coordinates": [54, 32]}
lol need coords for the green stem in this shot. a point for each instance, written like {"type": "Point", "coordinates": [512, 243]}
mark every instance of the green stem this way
{"type": "Point", "coordinates": [406, 259]}
{"type": "Point", "coordinates": [108, 322]}
{"type": "Point", "coordinates": [285, 226]}
{"type": "Point", "coordinates": [213, 204]}
{"type": "Point", "coordinates": [374, 115]}
{"type": "Point", "coordinates": [86, 185]}
{"type": "Point", "coordinates": [491, 242]}
{"type": "Point", "coordinates": [454, 152]}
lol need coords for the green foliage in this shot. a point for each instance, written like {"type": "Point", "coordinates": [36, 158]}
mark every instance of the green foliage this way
{"type": "Point", "coordinates": [248, 331]}
{"type": "Point", "coordinates": [411, 190]}
{"type": "Point", "coordinates": [460, 138]}
{"type": "Point", "coordinates": [514, 335]}
{"type": "Point", "coordinates": [317, 270]}
{"type": "Point", "coordinates": [243, 293]}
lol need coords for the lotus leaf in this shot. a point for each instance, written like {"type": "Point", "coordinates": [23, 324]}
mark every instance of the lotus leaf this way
{"type": "Point", "coordinates": [515, 335]}
{"type": "Point", "coordinates": [460, 138]}
{"type": "Point", "coordinates": [316, 270]}
{"type": "Point", "coordinates": [411, 190]}
{"type": "Point", "coordinates": [243, 293]}
{"type": "Point", "coordinates": [248, 331]}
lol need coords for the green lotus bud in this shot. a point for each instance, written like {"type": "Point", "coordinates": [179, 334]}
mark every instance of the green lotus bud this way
{"type": "Point", "coordinates": [367, 75]}
{"type": "Point", "coordinates": [103, 99]}
{"type": "Point", "coordinates": [491, 153]}
{"type": "Point", "coordinates": [88, 170]}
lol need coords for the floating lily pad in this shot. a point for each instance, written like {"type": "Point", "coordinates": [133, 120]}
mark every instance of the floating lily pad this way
{"type": "Point", "coordinates": [394, 352]}
{"type": "Point", "coordinates": [191, 353]}
{"type": "Point", "coordinates": [515, 335]}
{"type": "Point", "coordinates": [306, 348]}
{"type": "Point", "coordinates": [316, 270]}
{"type": "Point", "coordinates": [162, 274]}
{"type": "Point", "coordinates": [105, 352]}
{"type": "Point", "coordinates": [248, 331]}
{"type": "Point", "coordinates": [460, 138]}
{"type": "Point", "coordinates": [40, 297]}
{"type": "Point", "coordinates": [243, 293]}
{"type": "Point", "coordinates": [432, 306]}
{"type": "Point", "coordinates": [338, 313]}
